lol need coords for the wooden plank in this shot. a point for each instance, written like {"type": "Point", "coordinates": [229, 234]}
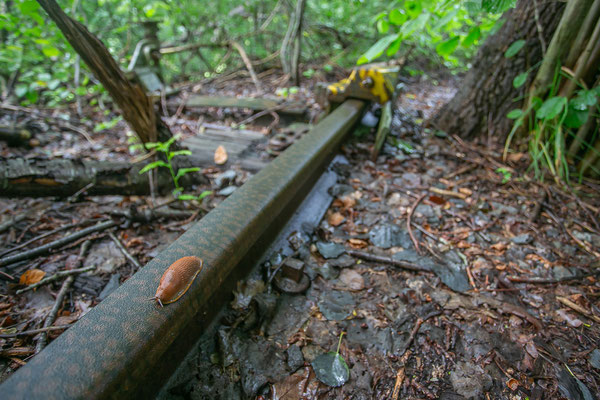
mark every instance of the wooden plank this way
{"type": "Point", "coordinates": [295, 108]}
{"type": "Point", "coordinates": [240, 136]}
{"type": "Point", "coordinates": [200, 144]}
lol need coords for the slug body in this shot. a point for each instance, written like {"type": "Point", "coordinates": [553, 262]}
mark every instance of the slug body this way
{"type": "Point", "coordinates": [177, 279]}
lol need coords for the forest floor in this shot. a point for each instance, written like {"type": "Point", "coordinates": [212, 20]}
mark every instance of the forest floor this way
{"type": "Point", "coordinates": [450, 273]}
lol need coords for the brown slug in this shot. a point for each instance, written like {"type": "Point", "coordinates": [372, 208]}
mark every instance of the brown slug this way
{"type": "Point", "coordinates": [177, 279]}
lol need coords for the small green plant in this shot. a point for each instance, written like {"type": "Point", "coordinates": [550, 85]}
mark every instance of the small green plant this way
{"type": "Point", "coordinates": [551, 122]}
{"type": "Point", "coordinates": [506, 174]}
{"type": "Point", "coordinates": [309, 73]}
{"type": "Point", "coordinates": [165, 149]}
{"type": "Point", "coordinates": [331, 368]}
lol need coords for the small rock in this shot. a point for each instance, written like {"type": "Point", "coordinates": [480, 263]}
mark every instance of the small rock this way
{"type": "Point", "coordinates": [525, 238]}
{"type": "Point", "coordinates": [470, 380]}
{"type": "Point", "coordinates": [595, 359]}
{"type": "Point", "coordinates": [225, 178]}
{"type": "Point", "coordinates": [295, 359]}
{"type": "Point", "coordinates": [561, 272]}
{"type": "Point", "coordinates": [227, 191]}
{"type": "Point", "coordinates": [111, 286]}
{"type": "Point", "coordinates": [330, 250]}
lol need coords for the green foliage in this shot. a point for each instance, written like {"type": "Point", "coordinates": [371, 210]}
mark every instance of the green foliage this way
{"type": "Point", "coordinates": [506, 175]}
{"type": "Point", "coordinates": [514, 48]}
{"type": "Point", "coordinates": [165, 149]}
{"type": "Point", "coordinates": [551, 122]}
{"type": "Point", "coordinates": [449, 30]}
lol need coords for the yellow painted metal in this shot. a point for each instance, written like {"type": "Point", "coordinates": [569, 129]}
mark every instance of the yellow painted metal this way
{"type": "Point", "coordinates": [373, 83]}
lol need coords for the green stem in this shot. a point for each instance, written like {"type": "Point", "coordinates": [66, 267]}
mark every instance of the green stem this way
{"type": "Point", "coordinates": [337, 351]}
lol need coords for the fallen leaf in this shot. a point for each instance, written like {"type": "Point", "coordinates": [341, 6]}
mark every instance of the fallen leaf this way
{"type": "Point", "coordinates": [220, 155]}
{"type": "Point", "coordinates": [357, 243]}
{"type": "Point", "coordinates": [32, 276]}
{"type": "Point", "coordinates": [335, 219]}
{"type": "Point", "coordinates": [499, 246]}
{"type": "Point", "coordinates": [351, 279]}
{"type": "Point", "coordinates": [437, 199]}
{"type": "Point", "coordinates": [513, 384]}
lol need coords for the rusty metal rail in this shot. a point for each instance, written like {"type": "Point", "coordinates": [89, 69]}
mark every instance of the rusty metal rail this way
{"type": "Point", "coordinates": [127, 346]}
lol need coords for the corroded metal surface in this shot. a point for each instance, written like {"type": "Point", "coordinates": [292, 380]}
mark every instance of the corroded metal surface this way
{"type": "Point", "coordinates": [113, 349]}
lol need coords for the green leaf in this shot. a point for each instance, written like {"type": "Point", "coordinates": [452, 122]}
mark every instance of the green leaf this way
{"type": "Point", "coordinates": [575, 118]}
{"type": "Point", "coordinates": [377, 49]}
{"type": "Point", "coordinates": [204, 194]}
{"type": "Point", "coordinates": [20, 90]}
{"type": "Point", "coordinates": [153, 165]}
{"type": "Point", "coordinates": [551, 107]}
{"type": "Point", "coordinates": [497, 6]}
{"type": "Point", "coordinates": [397, 17]}
{"type": "Point", "coordinates": [50, 51]}
{"type": "Point", "coordinates": [413, 8]}
{"type": "Point", "coordinates": [151, 145]}
{"type": "Point", "coordinates": [514, 48]}
{"type": "Point", "coordinates": [383, 26]}
{"type": "Point", "coordinates": [331, 369]}
{"type": "Point", "coordinates": [520, 80]}
{"type": "Point", "coordinates": [394, 47]}
{"type": "Point", "coordinates": [179, 153]}
{"type": "Point", "coordinates": [184, 197]}
{"type": "Point", "coordinates": [585, 98]}
{"type": "Point", "coordinates": [474, 35]}
{"type": "Point", "coordinates": [416, 25]}
{"type": "Point", "coordinates": [514, 114]}
{"type": "Point", "coordinates": [447, 47]}
{"type": "Point", "coordinates": [182, 171]}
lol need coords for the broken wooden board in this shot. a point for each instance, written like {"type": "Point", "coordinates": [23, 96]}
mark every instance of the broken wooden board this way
{"type": "Point", "coordinates": [294, 108]}
{"type": "Point", "coordinates": [240, 146]}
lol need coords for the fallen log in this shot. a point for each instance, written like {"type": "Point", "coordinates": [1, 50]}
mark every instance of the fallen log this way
{"type": "Point", "coordinates": [21, 177]}
{"type": "Point", "coordinates": [15, 136]}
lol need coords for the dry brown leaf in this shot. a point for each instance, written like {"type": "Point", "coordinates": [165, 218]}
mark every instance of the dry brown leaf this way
{"type": "Point", "coordinates": [220, 155]}
{"type": "Point", "coordinates": [357, 243]}
{"type": "Point", "coordinates": [32, 276]}
{"type": "Point", "coordinates": [513, 384]}
{"type": "Point", "coordinates": [335, 219]}
{"type": "Point", "coordinates": [499, 246]}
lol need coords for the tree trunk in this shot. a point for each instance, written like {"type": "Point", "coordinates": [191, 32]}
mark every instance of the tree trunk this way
{"type": "Point", "coordinates": [486, 93]}
{"type": "Point", "coordinates": [136, 107]}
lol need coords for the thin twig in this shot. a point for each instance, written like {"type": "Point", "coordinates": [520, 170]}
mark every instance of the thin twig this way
{"type": "Point", "coordinates": [387, 260]}
{"type": "Point", "coordinates": [127, 255]}
{"type": "Point", "coordinates": [408, 226]}
{"type": "Point", "coordinates": [35, 239]}
{"type": "Point", "coordinates": [261, 113]}
{"type": "Point", "coordinates": [578, 308]}
{"type": "Point", "coordinates": [416, 328]}
{"type": "Point", "coordinates": [248, 64]}
{"type": "Point", "coordinates": [57, 243]}
{"type": "Point", "coordinates": [34, 331]}
{"type": "Point", "coordinates": [55, 277]}
{"type": "Point", "coordinates": [43, 339]}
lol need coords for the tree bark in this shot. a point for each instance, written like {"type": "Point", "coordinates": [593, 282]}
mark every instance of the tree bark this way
{"type": "Point", "coordinates": [37, 178]}
{"type": "Point", "coordinates": [486, 93]}
{"type": "Point", "coordinates": [138, 110]}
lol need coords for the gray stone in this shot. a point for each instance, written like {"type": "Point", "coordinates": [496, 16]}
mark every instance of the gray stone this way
{"type": "Point", "coordinates": [525, 238]}
{"type": "Point", "coordinates": [111, 286]}
{"type": "Point", "coordinates": [470, 380]}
